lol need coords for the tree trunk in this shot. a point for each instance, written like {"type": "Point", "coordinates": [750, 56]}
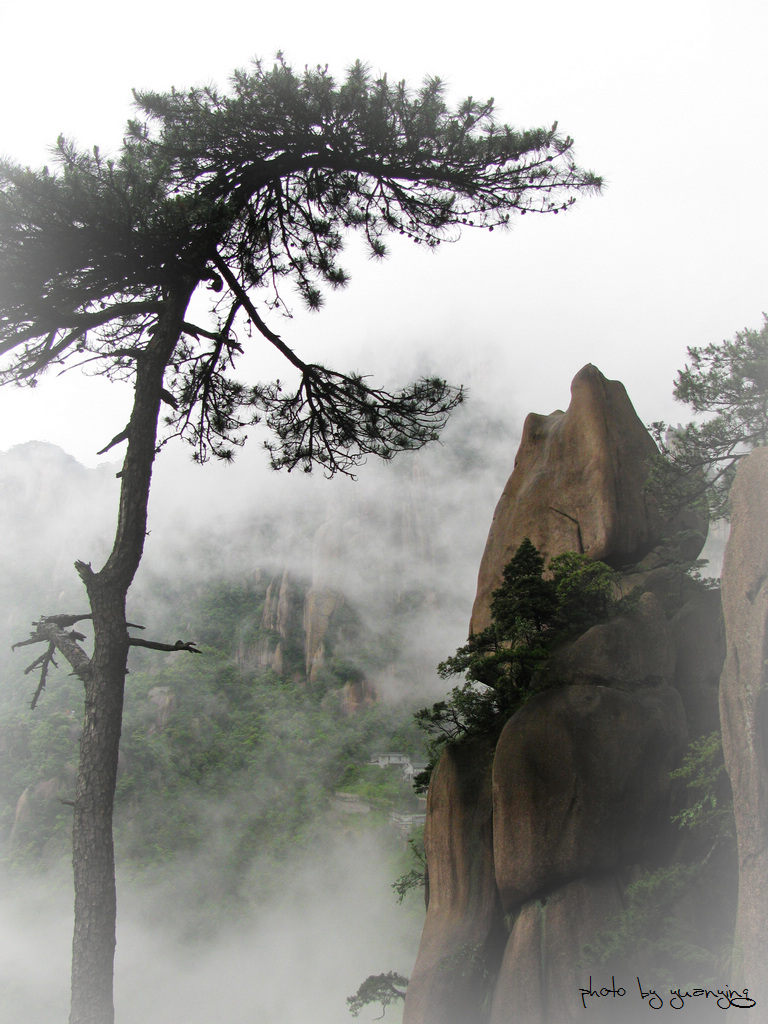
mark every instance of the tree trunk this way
{"type": "Point", "coordinates": [93, 945]}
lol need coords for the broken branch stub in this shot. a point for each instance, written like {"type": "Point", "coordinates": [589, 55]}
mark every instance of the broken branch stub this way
{"type": "Point", "coordinates": [50, 629]}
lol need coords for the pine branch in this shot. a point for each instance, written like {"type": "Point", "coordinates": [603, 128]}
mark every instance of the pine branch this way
{"type": "Point", "coordinates": [240, 293]}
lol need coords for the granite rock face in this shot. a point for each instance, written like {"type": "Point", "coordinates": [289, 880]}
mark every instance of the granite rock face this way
{"type": "Point", "coordinates": [163, 702]}
{"type": "Point", "coordinates": [357, 696]}
{"type": "Point", "coordinates": [744, 709]}
{"type": "Point", "coordinates": [463, 928]}
{"type": "Point", "coordinates": [320, 605]}
{"type": "Point", "coordinates": [41, 795]}
{"type": "Point", "coordinates": [580, 794]}
{"type": "Point", "coordinates": [578, 485]}
{"type": "Point", "coordinates": [698, 631]}
{"type": "Point", "coordinates": [581, 785]}
{"type": "Point", "coordinates": [539, 978]}
{"type": "Point", "coordinates": [281, 621]}
{"type": "Point", "coordinates": [632, 651]}
{"type": "Point", "coordinates": [299, 621]}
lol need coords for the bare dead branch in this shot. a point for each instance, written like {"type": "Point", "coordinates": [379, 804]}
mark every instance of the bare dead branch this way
{"type": "Point", "coordinates": [49, 630]}
{"type": "Point", "coordinates": [155, 645]}
{"type": "Point", "coordinates": [122, 436]}
{"type": "Point", "coordinates": [44, 661]}
{"type": "Point", "coordinates": [84, 569]}
{"type": "Point", "coordinates": [64, 620]}
{"type": "Point", "coordinates": [33, 639]}
{"type": "Point", "coordinates": [69, 620]}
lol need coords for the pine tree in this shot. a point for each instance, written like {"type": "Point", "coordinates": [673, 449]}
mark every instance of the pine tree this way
{"type": "Point", "coordinates": [728, 381]}
{"type": "Point", "coordinates": [234, 195]}
{"type": "Point", "coordinates": [531, 612]}
{"type": "Point", "coordinates": [524, 596]}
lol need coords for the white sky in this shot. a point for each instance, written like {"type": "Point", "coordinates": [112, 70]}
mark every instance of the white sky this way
{"type": "Point", "coordinates": [666, 99]}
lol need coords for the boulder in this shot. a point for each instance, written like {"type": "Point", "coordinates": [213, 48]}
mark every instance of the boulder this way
{"type": "Point", "coordinates": [744, 709]}
{"type": "Point", "coordinates": [463, 932]}
{"type": "Point", "coordinates": [578, 485]}
{"type": "Point", "coordinates": [626, 652]}
{"type": "Point", "coordinates": [581, 785]}
{"type": "Point", "coordinates": [581, 790]}
{"type": "Point", "coordinates": [539, 980]}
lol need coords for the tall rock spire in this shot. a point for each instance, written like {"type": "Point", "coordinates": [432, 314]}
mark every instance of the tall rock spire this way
{"type": "Point", "coordinates": [578, 485]}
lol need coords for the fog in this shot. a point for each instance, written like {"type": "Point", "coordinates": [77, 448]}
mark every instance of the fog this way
{"type": "Point", "coordinates": [295, 959]}
{"type": "Point", "coordinates": [295, 951]}
{"type": "Point", "coordinates": [416, 524]}
{"type": "Point", "coordinates": [660, 100]}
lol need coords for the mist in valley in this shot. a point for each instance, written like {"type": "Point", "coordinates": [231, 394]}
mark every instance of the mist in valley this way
{"type": "Point", "coordinates": [246, 891]}
{"type": "Point", "coordinates": [294, 958]}
{"type": "Point", "coordinates": [243, 909]}
{"type": "Point", "coordinates": [224, 926]}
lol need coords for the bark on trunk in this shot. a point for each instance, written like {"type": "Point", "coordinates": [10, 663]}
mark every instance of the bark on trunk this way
{"type": "Point", "coordinates": [93, 945]}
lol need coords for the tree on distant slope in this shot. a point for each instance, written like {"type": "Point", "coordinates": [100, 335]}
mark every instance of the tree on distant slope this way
{"type": "Point", "coordinates": [237, 193]}
{"type": "Point", "coordinates": [698, 461]}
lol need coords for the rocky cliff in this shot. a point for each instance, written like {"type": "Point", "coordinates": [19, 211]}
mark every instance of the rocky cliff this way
{"type": "Point", "coordinates": [530, 845]}
{"type": "Point", "coordinates": [744, 712]}
{"type": "Point", "coordinates": [302, 621]}
{"type": "Point", "coordinates": [577, 485]}
{"type": "Point", "coordinates": [365, 565]}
